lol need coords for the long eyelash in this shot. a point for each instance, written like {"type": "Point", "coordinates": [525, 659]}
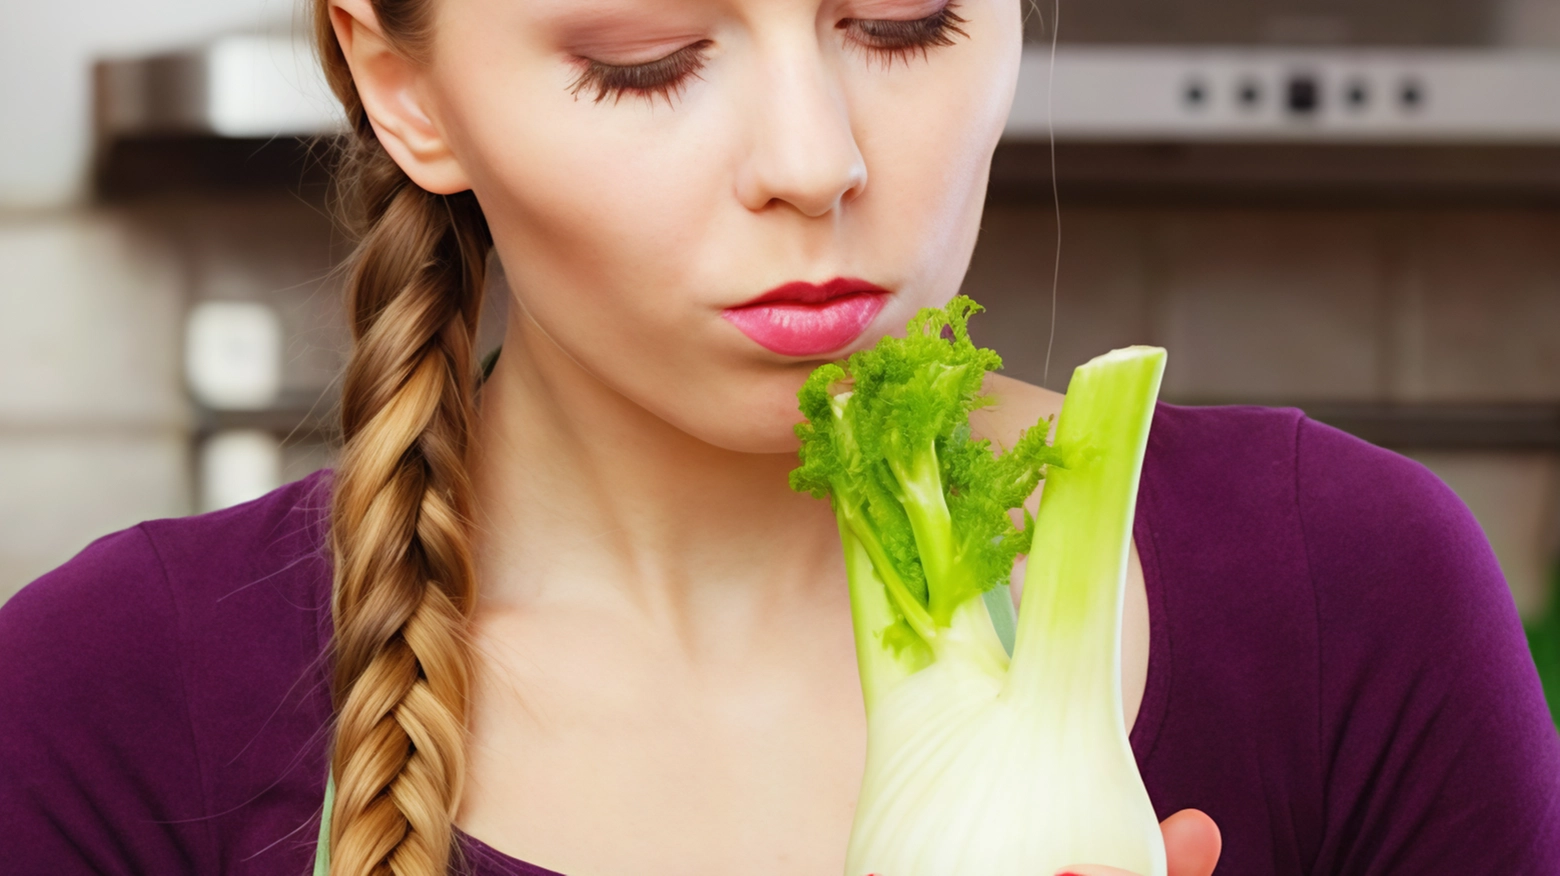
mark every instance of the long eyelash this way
{"type": "Point", "coordinates": [664, 77]}
{"type": "Point", "coordinates": [901, 40]}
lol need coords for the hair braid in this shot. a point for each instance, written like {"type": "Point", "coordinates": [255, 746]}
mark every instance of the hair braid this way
{"type": "Point", "coordinates": [402, 500]}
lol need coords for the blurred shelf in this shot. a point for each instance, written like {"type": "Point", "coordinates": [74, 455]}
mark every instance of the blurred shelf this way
{"type": "Point", "coordinates": [1406, 23]}
{"type": "Point", "coordinates": [237, 85]}
{"type": "Point", "coordinates": [241, 112]}
{"type": "Point", "coordinates": [1319, 94]}
{"type": "Point", "coordinates": [297, 421]}
{"type": "Point", "coordinates": [1340, 126]}
{"type": "Point", "coordinates": [1377, 175]}
{"type": "Point", "coordinates": [1493, 427]}
{"type": "Point", "coordinates": [162, 165]}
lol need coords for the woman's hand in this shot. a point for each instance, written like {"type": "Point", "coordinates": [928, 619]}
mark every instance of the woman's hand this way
{"type": "Point", "coordinates": [1192, 846]}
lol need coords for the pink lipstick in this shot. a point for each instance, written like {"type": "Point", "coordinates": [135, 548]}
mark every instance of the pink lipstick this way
{"type": "Point", "coordinates": [809, 319]}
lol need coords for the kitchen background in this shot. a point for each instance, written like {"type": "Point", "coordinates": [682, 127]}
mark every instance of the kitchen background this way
{"type": "Point", "coordinates": [1352, 206]}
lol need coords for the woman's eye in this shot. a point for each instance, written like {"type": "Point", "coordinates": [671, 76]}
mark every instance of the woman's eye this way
{"type": "Point", "coordinates": [666, 77]}
{"type": "Point", "coordinates": [663, 77]}
{"type": "Point", "coordinates": [892, 40]}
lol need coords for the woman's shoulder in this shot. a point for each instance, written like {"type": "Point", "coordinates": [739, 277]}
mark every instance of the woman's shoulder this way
{"type": "Point", "coordinates": [1361, 532]}
{"type": "Point", "coordinates": [165, 682]}
{"type": "Point", "coordinates": [1366, 532]}
{"type": "Point", "coordinates": [1432, 720]}
{"type": "Point", "coordinates": [182, 568]}
{"type": "Point", "coordinates": [1339, 616]}
{"type": "Point", "coordinates": [244, 587]}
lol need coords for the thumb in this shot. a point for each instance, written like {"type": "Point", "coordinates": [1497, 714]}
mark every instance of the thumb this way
{"type": "Point", "coordinates": [1192, 843]}
{"type": "Point", "coordinates": [1192, 847]}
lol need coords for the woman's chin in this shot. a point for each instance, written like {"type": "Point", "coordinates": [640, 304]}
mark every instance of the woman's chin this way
{"type": "Point", "coordinates": [754, 410]}
{"type": "Point", "coordinates": [757, 439]}
{"type": "Point", "coordinates": [754, 424]}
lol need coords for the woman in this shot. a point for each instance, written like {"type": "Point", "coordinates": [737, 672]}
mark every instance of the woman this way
{"type": "Point", "coordinates": [584, 624]}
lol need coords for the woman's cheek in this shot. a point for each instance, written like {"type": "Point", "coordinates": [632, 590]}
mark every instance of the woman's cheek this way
{"type": "Point", "coordinates": [634, 212]}
{"type": "Point", "coordinates": [929, 181]}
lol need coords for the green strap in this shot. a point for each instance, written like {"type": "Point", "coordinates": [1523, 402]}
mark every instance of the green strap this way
{"type": "Point", "coordinates": [322, 848]}
{"type": "Point", "coordinates": [488, 361]}
{"type": "Point", "coordinates": [999, 604]}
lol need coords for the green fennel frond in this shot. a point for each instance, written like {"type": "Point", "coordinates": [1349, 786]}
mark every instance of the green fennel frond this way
{"type": "Point", "coordinates": [887, 440]}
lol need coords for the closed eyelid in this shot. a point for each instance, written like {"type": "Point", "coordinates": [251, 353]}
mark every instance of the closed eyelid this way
{"type": "Point", "coordinates": [892, 10]}
{"type": "Point", "coordinates": [625, 34]}
{"type": "Point", "coordinates": [632, 51]}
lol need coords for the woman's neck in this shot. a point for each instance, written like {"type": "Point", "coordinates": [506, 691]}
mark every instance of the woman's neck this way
{"type": "Point", "coordinates": [583, 495]}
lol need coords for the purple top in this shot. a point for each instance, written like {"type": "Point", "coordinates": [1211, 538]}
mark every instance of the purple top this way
{"type": "Point", "coordinates": [1336, 674]}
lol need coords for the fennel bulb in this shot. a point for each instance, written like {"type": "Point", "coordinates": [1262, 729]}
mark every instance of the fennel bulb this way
{"type": "Point", "coordinates": [979, 764]}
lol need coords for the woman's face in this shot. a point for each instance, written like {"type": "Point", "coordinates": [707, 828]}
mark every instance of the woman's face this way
{"type": "Point", "coordinates": [648, 165]}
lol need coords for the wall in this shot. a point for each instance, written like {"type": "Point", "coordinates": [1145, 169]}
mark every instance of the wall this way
{"type": "Point", "coordinates": [93, 421]}
{"type": "Point", "coordinates": [94, 425]}
{"type": "Point", "coordinates": [1530, 23]}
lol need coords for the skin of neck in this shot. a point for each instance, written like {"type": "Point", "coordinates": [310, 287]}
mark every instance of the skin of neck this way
{"type": "Point", "coordinates": [585, 497]}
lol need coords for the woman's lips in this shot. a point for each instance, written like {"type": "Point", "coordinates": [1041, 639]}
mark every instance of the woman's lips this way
{"type": "Point", "coordinates": [808, 319]}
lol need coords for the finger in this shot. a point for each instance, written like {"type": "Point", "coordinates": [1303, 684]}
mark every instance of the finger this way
{"type": "Point", "coordinates": [1192, 843]}
{"type": "Point", "coordinates": [1094, 870]}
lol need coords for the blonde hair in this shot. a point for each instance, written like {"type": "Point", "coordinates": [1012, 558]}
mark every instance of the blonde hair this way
{"type": "Point", "coordinates": [401, 504]}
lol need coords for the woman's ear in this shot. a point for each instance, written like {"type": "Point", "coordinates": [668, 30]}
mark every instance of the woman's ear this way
{"type": "Point", "coordinates": [393, 90]}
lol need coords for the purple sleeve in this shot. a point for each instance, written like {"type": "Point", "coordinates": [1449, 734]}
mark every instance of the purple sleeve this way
{"type": "Point", "coordinates": [1439, 755]}
{"type": "Point", "coordinates": [98, 772]}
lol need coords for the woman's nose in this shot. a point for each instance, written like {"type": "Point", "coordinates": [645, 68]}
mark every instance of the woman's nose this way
{"type": "Point", "coordinates": [802, 151]}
